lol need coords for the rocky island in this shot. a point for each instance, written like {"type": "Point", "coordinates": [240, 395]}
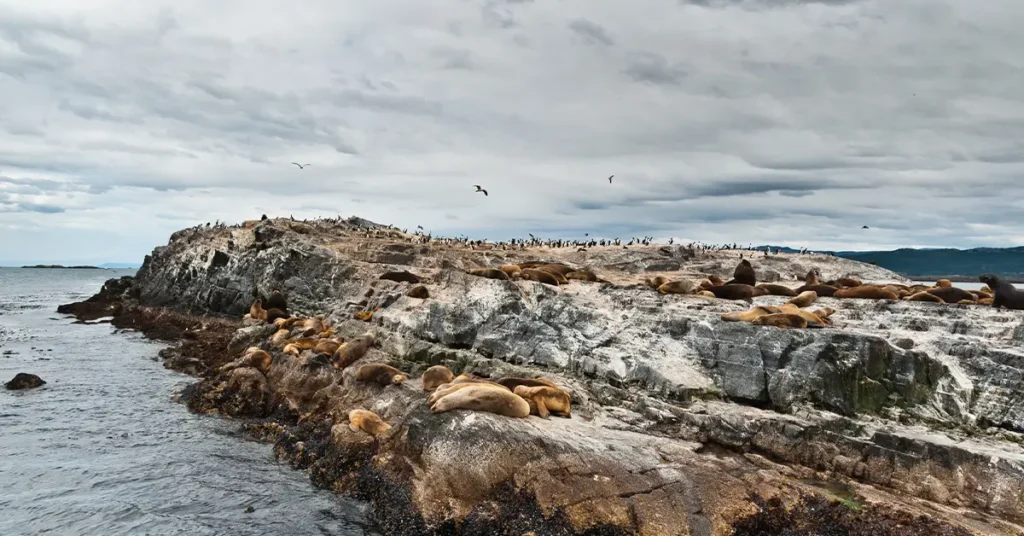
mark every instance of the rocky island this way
{"type": "Point", "coordinates": [898, 417]}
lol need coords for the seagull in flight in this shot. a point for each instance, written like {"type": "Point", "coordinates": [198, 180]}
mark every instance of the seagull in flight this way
{"type": "Point", "coordinates": [865, 227]}
{"type": "Point", "coordinates": [610, 179]}
{"type": "Point", "coordinates": [479, 189]}
{"type": "Point", "coordinates": [301, 166]}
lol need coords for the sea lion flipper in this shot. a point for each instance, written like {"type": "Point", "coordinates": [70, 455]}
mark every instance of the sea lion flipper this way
{"type": "Point", "coordinates": [542, 410]}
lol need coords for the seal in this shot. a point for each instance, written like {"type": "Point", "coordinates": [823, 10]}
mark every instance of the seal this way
{"type": "Point", "coordinates": [812, 277]}
{"type": "Point", "coordinates": [952, 294]}
{"type": "Point", "coordinates": [545, 400]}
{"type": "Point", "coordinates": [813, 320]}
{"type": "Point", "coordinates": [361, 420]}
{"type": "Point", "coordinates": [736, 291]}
{"type": "Point", "coordinates": [847, 282]}
{"type": "Point", "coordinates": [435, 376]}
{"type": "Point", "coordinates": [980, 294]}
{"type": "Point", "coordinates": [280, 338]}
{"type": "Point", "coordinates": [924, 297]}
{"type": "Point", "coordinates": [804, 299]}
{"type": "Point", "coordinates": [403, 276]}
{"type": "Point", "coordinates": [582, 275]}
{"type": "Point", "coordinates": [24, 380]}
{"type": "Point", "coordinates": [274, 314]}
{"type": "Point", "coordinates": [256, 310]}
{"type": "Point", "coordinates": [458, 384]}
{"type": "Point", "coordinates": [866, 292]}
{"type": "Point", "coordinates": [419, 292]}
{"type": "Point", "coordinates": [554, 273]}
{"type": "Point", "coordinates": [298, 345]}
{"type": "Point", "coordinates": [381, 374]}
{"type": "Point", "coordinates": [681, 286]}
{"type": "Point", "coordinates": [557, 268]}
{"type": "Point", "coordinates": [987, 301]}
{"type": "Point", "coordinates": [529, 274]}
{"type": "Point", "coordinates": [743, 274]}
{"type": "Point", "coordinates": [252, 358]}
{"type": "Point", "coordinates": [511, 383]}
{"type": "Point", "coordinates": [715, 280]}
{"type": "Point", "coordinates": [781, 320]}
{"type": "Point", "coordinates": [823, 291]}
{"type": "Point", "coordinates": [943, 283]}
{"type": "Point", "coordinates": [824, 312]}
{"type": "Point", "coordinates": [750, 314]}
{"type": "Point", "coordinates": [477, 397]}
{"type": "Point", "coordinates": [707, 294]}
{"type": "Point", "coordinates": [327, 346]}
{"type": "Point", "coordinates": [352, 351]}
{"type": "Point", "coordinates": [511, 270]}
{"type": "Point", "coordinates": [656, 281]}
{"type": "Point", "coordinates": [276, 300]}
{"type": "Point", "coordinates": [489, 273]}
{"type": "Point", "coordinates": [1004, 294]}
{"type": "Point", "coordinates": [777, 290]}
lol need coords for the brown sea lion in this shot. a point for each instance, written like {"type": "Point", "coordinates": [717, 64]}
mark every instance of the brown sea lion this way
{"type": "Point", "coordinates": [511, 270]}
{"type": "Point", "coordinates": [435, 376]}
{"type": "Point", "coordinates": [715, 280]}
{"type": "Point", "coordinates": [531, 264]}
{"type": "Point", "coordinates": [980, 294]}
{"type": "Point", "coordinates": [489, 273]}
{"type": "Point", "coordinates": [823, 291]}
{"type": "Point", "coordinates": [419, 292]}
{"type": "Point", "coordinates": [952, 294]}
{"type": "Point", "coordinates": [256, 310]}
{"type": "Point", "coordinates": [812, 278]}
{"type": "Point", "coordinates": [656, 281]}
{"type": "Point", "coordinates": [707, 294]}
{"type": "Point", "coordinates": [365, 316]}
{"type": "Point", "coordinates": [847, 282]}
{"type": "Point", "coordinates": [824, 312]}
{"type": "Point", "coordinates": [288, 323]}
{"type": "Point", "coordinates": [545, 400]}
{"type": "Point", "coordinates": [743, 274]}
{"type": "Point", "coordinates": [274, 314]}
{"type": "Point", "coordinates": [455, 385]}
{"type": "Point", "coordinates": [735, 291]}
{"type": "Point", "coordinates": [280, 338]}
{"type": "Point", "coordinates": [327, 346]}
{"type": "Point", "coordinates": [749, 314]}
{"type": "Point", "coordinates": [781, 320]}
{"type": "Point", "coordinates": [296, 346]}
{"type": "Point", "coordinates": [352, 351]}
{"type": "Point", "coordinates": [512, 382]}
{"type": "Point", "coordinates": [253, 357]}
{"type": "Point", "coordinates": [943, 283]}
{"type": "Point", "coordinates": [924, 297]}
{"type": "Point", "coordinates": [867, 292]}
{"type": "Point", "coordinates": [403, 276]}
{"type": "Point", "coordinates": [777, 290]}
{"type": "Point", "coordinates": [582, 275]}
{"type": "Point", "coordinates": [529, 274]}
{"type": "Point", "coordinates": [987, 301]}
{"type": "Point", "coordinates": [1004, 293]}
{"type": "Point", "coordinates": [276, 300]}
{"type": "Point", "coordinates": [804, 299]}
{"type": "Point", "coordinates": [380, 373]}
{"type": "Point", "coordinates": [475, 397]}
{"type": "Point", "coordinates": [367, 421]}
{"type": "Point", "coordinates": [681, 286]}
{"type": "Point", "coordinates": [559, 277]}
{"type": "Point", "coordinates": [557, 268]}
{"type": "Point", "coordinates": [813, 320]}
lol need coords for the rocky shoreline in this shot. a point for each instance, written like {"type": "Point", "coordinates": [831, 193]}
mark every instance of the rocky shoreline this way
{"type": "Point", "coordinates": [902, 414]}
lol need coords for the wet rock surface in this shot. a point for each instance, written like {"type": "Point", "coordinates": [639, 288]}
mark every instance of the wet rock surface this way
{"type": "Point", "coordinates": [678, 417]}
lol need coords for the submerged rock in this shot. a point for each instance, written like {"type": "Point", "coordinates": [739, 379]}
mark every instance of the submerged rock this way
{"type": "Point", "coordinates": [23, 380]}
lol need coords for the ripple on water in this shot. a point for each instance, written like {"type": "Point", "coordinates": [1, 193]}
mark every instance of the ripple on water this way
{"type": "Point", "coordinates": [101, 448]}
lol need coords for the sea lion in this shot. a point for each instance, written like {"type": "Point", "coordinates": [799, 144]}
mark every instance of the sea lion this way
{"type": "Point", "coordinates": [707, 294]}
{"type": "Point", "coordinates": [1004, 294]}
{"type": "Point", "coordinates": [256, 310]}
{"type": "Point", "coordinates": [804, 299]}
{"type": "Point", "coordinates": [749, 314]}
{"type": "Point", "coordinates": [582, 275]}
{"type": "Point", "coordinates": [952, 294]}
{"type": "Point", "coordinates": [381, 374]}
{"type": "Point", "coordinates": [327, 346]}
{"type": "Point", "coordinates": [681, 286]}
{"type": "Point", "coordinates": [824, 312]}
{"type": "Point", "coordinates": [813, 320]}
{"type": "Point", "coordinates": [812, 277]}
{"type": "Point", "coordinates": [823, 291]}
{"type": "Point", "coordinates": [473, 397]}
{"type": "Point", "coordinates": [365, 316]}
{"type": "Point", "coordinates": [743, 274]}
{"type": "Point", "coordinates": [489, 273]}
{"type": "Point", "coordinates": [781, 320]}
{"type": "Point", "coordinates": [980, 294]}
{"type": "Point", "coordinates": [545, 400]}
{"type": "Point", "coordinates": [435, 376]}
{"type": "Point", "coordinates": [867, 292]}
{"type": "Point", "coordinates": [403, 276]}
{"type": "Point", "coordinates": [448, 388]}
{"type": "Point", "coordinates": [986, 301]}
{"type": "Point", "coordinates": [289, 322]}
{"type": "Point", "coordinates": [943, 283]}
{"type": "Point", "coordinates": [847, 282]}
{"type": "Point", "coordinates": [656, 281]}
{"type": "Point", "coordinates": [558, 276]}
{"type": "Point", "coordinates": [419, 292]}
{"type": "Point", "coordinates": [924, 297]}
{"type": "Point", "coordinates": [777, 290]}
{"type": "Point", "coordinates": [24, 380]}
{"type": "Point", "coordinates": [295, 347]}
{"type": "Point", "coordinates": [274, 314]}
{"type": "Point", "coordinates": [313, 326]}
{"type": "Point", "coordinates": [531, 264]}
{"type": "Point", "coordinates": [557, 268]}
{"type": "Point", "coordinates": [276, 300]}
{"type": "Point", "coordinates": [253, 357]}
{"type": "Point", "coordinates": [352, 351]}
{"type": "Point", "coordinates": [367, 421]}
{"type": "Point", "coordinates": [736, 291]}
{"type": "Point", "coordinates": [715, 280]}
{"type": "Point", "coordinates": [511, 270]}
{"type": "Point", "coordinates": [280, 338]}
{"type": "Point", "coordinates": [512, 382]}
{"type": "Point", "coordinates": [529, 274]}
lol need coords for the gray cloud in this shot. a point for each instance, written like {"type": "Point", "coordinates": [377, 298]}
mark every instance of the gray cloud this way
{"type": "Point", "coordinates": [746, 121]}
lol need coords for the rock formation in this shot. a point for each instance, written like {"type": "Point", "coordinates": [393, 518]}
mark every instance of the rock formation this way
{"type": "Point", "coordinates": [678, 418]}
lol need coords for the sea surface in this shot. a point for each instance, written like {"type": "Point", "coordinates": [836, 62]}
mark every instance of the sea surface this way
{"type": "Point", "coordinates": [102, 448]}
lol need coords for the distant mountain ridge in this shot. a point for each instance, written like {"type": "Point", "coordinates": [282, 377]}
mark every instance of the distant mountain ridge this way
{"type": "Point", "coordinates": [944, 262]}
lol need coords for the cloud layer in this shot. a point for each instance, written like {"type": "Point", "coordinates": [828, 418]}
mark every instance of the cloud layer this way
{"type": "Point", "coordinates": [790, 122]}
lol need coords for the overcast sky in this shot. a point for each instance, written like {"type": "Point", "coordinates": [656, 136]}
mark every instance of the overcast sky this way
{"type": "Point", "coordinates": [756, 121]}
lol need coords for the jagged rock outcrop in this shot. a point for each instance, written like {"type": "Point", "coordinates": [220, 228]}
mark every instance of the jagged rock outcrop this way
{"type": "Point", "coordinates": [677, 414]}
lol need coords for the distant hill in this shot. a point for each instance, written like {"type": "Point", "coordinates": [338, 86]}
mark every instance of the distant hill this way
{"type": "Point", "coordinates": [83, 267]}
{"type": "Point", "coordinates": [935, 263]}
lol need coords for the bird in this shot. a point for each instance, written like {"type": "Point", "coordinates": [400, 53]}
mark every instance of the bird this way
{"type": "Point", "coordinates": [301, 166]}
{"type": "Point", "coordinates": [865, 227]}
{"type": "Point", "coordinates": [610, 179]}
{"type": "Point", "coordinates": [479, 189]}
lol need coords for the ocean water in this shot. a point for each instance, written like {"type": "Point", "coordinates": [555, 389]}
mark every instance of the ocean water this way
{"type": "Point", "coordinates": [102, 448]}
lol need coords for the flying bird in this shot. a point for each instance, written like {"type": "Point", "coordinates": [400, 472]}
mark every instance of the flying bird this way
{"type": "Point", "coordinates": [610, 179]}
{"type": "Point", "coordinates": [301, 166]}
{"type": "Point", "coordinates": [865, 227]}
{"type": "Point", "coordinates": [479, 189]}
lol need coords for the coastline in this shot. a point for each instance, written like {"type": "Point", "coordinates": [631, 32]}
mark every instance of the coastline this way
{"type": "Point", "coordinates": [399, 476]}
{"type": "Point", "coordinates": [59, 267]}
